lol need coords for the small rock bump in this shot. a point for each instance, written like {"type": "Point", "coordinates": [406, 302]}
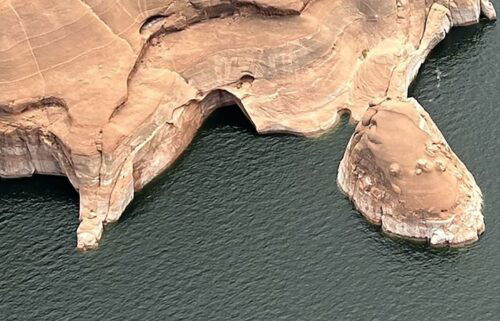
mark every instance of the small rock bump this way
{"type": "Point", "coordinates": [395, 169]}
{"type": "Point", "coordinates": [440, 164]}
{"type": "Point", "coordinates": [424, 165]}
{"type": "Point", "coordinates": [431, 149]}
{"type": "Point", "coordinates": [396, 189]}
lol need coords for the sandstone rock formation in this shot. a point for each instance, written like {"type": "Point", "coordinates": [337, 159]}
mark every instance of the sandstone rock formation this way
{"type": "Point", "coordinates": [402, 175]}
{"type": "Point", "coordinates": [109, 93]}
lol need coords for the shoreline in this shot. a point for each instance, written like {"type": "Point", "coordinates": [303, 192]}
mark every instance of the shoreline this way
{"type": "Point", "coordinates": [161, 89]}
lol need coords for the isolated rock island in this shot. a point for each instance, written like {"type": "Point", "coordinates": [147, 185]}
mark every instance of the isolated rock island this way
{"type": "Point", "coordinates": [109, 94]}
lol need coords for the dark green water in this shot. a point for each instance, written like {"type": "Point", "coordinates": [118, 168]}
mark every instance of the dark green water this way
{"type": "Point", "coordinates": [247, 227]}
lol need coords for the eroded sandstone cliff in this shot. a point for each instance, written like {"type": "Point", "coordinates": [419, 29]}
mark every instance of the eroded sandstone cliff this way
{"type": "Point", "coordinates": [109, 93]}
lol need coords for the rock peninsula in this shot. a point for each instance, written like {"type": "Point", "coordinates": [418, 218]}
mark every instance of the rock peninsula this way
{"type": "Point", "coordinates": [110, 93]}
{"type": "Point", "coordinates": [401, 174]}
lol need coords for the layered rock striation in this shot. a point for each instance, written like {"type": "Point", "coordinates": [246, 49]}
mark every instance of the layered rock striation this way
{"type": "Point", "coordinates": [109, 94]}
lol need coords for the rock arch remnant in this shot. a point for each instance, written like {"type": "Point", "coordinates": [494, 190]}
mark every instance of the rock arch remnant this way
{"type": "Point", "coordinates": [109, 93]}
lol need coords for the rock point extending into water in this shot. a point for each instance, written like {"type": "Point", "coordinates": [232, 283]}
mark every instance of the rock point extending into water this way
{"type": "Point", "coordinates": [109, 94]}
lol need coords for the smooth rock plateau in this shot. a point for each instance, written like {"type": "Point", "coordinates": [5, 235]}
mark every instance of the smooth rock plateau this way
{"type": "Point", "coordinates": [109, 94]}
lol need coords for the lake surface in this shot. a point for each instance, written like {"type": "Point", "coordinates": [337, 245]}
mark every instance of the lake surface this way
{"type": "Point", "coordinates": [248, 227]}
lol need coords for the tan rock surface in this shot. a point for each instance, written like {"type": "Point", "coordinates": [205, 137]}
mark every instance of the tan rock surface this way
{"type": "Point", "coordinates": [401, 174]}
{"type": "Point", "coordinates": [109, 93]}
